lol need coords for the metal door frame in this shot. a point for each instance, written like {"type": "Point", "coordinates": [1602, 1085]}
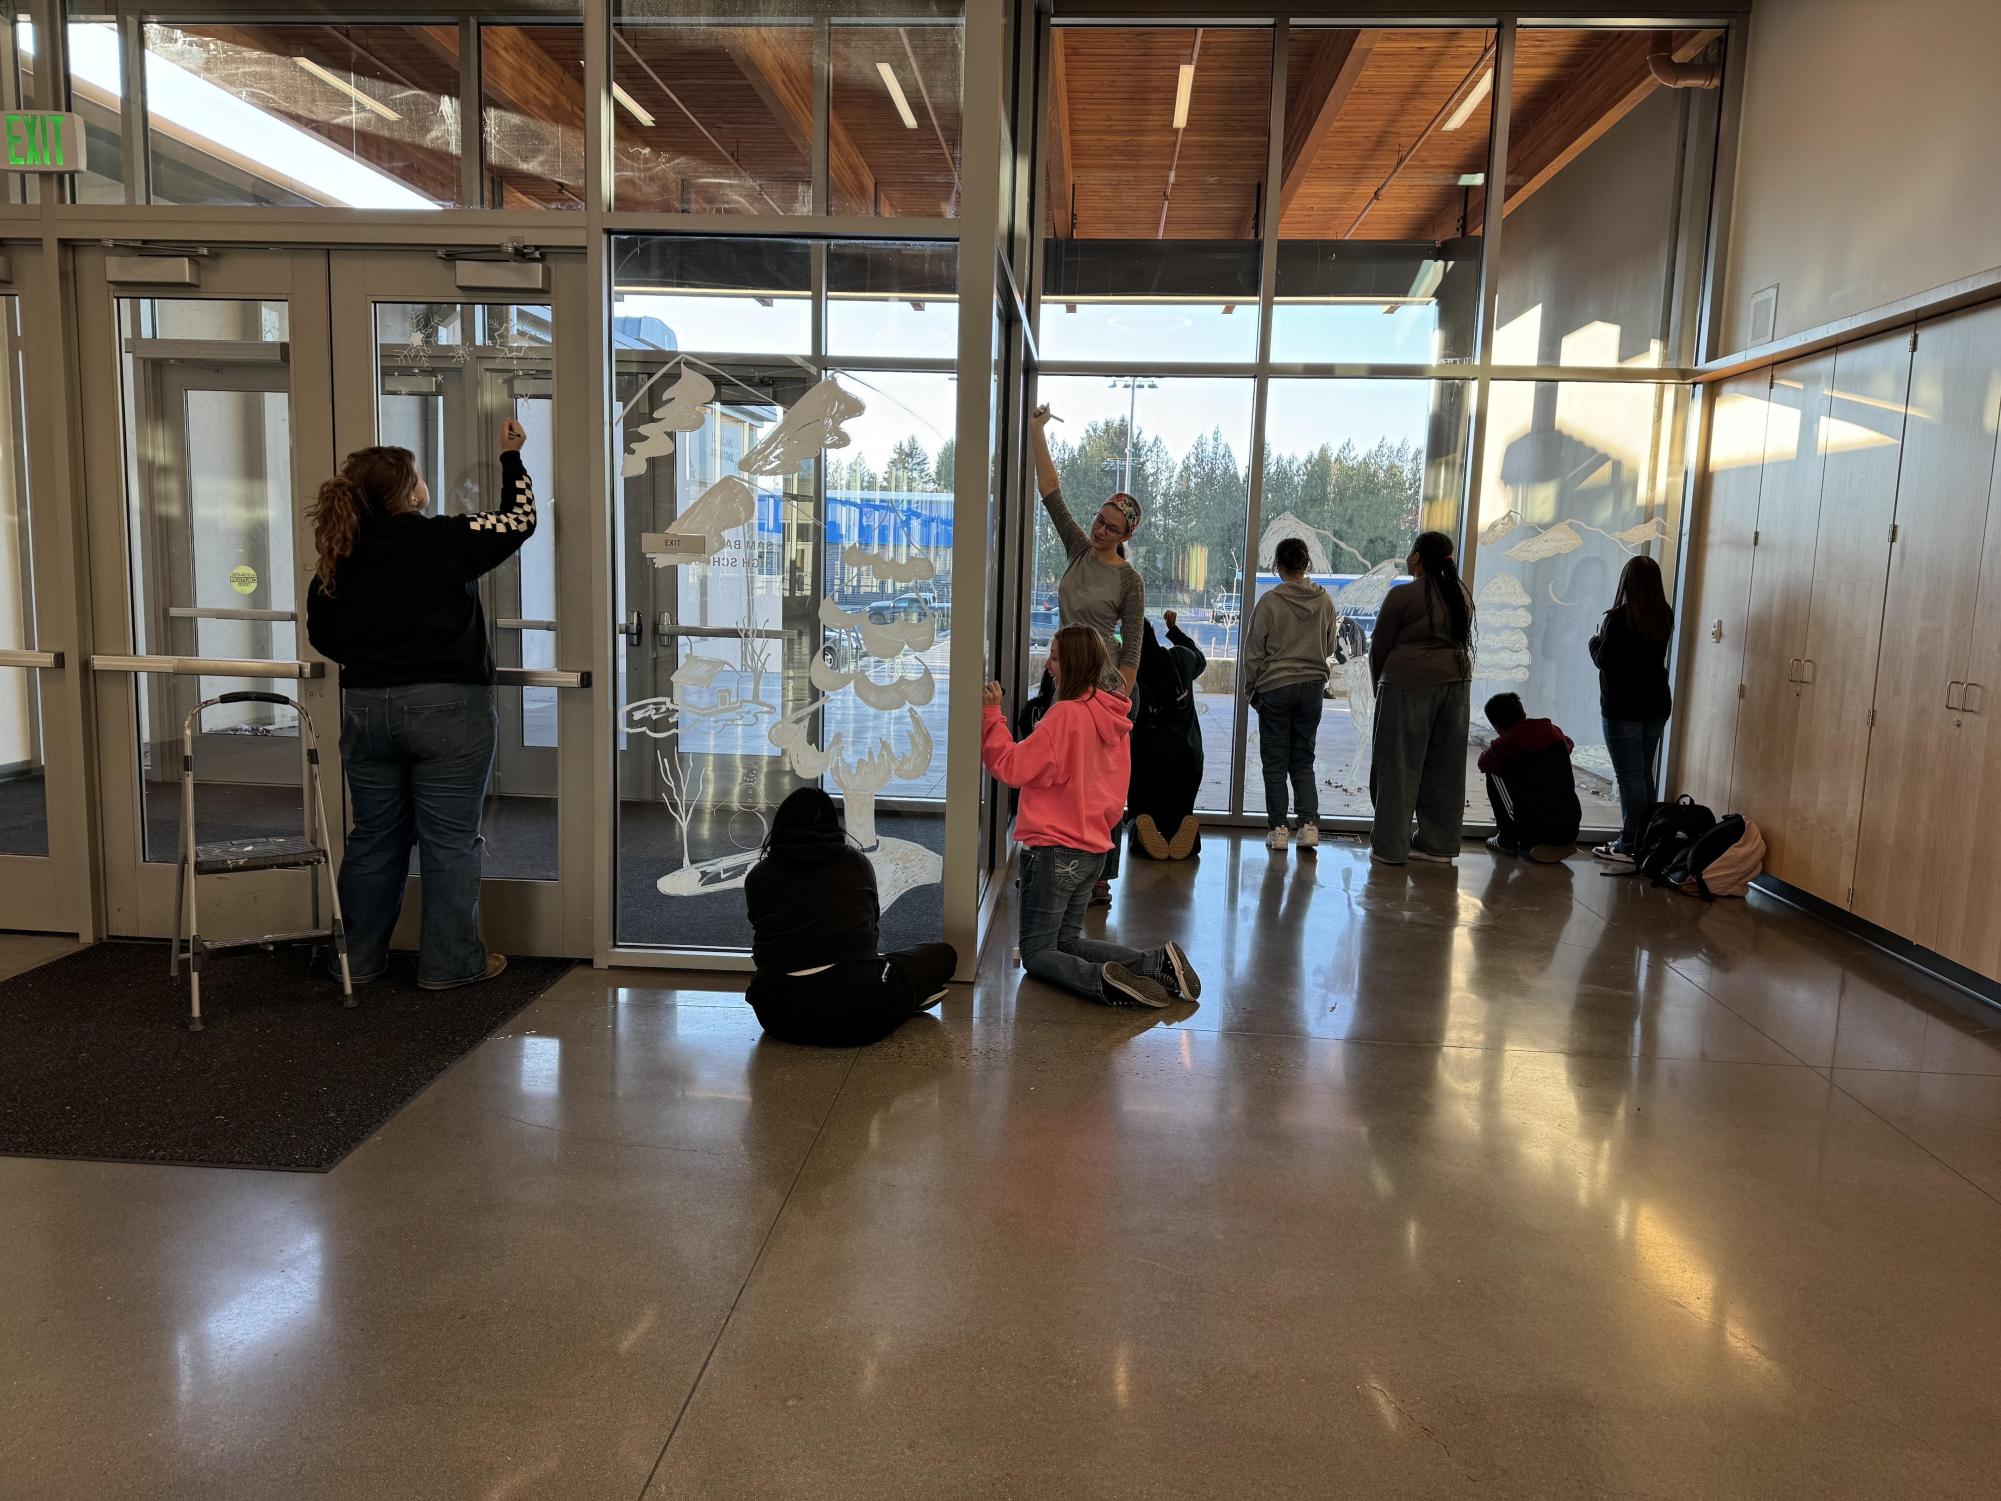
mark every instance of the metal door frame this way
{"type": "Point", "coordinates": [538, 917]}
{"type": "Point", "coordinates": [138, 894]}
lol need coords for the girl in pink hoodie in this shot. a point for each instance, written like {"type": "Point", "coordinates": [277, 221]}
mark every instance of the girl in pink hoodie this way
{"type": "Point", "coordinates": [1072, 771]}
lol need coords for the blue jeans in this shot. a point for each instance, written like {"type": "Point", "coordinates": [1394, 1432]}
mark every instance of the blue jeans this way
{"type": "Point", "coordinates": [1288, 729]}
{"type": "Point", "coordinates": [1635, 747]}
{"type": "Point", "coordinates": [1055, 891]}
{"type": "Point", "coordinates": [417, 759]}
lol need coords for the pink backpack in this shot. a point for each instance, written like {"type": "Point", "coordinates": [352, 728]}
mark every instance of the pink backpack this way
{"type": "Point", "coordinates": [1731, 872]}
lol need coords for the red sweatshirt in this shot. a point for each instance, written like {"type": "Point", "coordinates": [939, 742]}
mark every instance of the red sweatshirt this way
{"type": "Point", "coordinates": [1524, 739]}
{"type": "Point", "coordinates": [1072, 770]}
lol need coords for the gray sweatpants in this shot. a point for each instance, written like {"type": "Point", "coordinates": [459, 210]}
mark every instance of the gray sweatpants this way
{"type": "Point", "coordinates": [1419, 767]}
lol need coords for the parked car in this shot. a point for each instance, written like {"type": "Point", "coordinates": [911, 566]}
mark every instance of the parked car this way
{"type": "Point", "coordinates": [914, 605]}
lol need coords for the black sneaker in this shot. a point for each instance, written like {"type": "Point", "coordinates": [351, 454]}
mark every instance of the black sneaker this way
{"type": "Point", "coordinates": [1187, 984]}
{"type": "Point", "coordinates": [1119, 986]}
{"type": "Point", "coordinates": [927, 1005]}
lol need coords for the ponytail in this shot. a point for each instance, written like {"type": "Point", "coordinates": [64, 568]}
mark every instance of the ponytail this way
{"type": "Point", "coordinates": [1441, 578]}
{"type": "Point", "coordinates": [373, 482]}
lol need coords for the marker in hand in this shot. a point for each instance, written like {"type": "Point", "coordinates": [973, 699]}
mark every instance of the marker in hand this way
{"type": "Point", "coordinates": [991, 695]}
{"type": "Point", "coordinates": [512, 436]}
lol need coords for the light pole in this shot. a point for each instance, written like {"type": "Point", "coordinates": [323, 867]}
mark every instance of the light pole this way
{"type": "Point", "coordinates": [1134, 384]}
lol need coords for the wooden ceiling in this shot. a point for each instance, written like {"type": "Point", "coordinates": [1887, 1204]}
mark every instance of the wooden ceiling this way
{"type": "Point", "coordinates": [1365, 155]}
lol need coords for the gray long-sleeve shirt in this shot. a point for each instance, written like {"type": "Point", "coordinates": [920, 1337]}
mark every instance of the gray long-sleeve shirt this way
{"type": "Point", "coordinates": [1412, 646]}
{"type": "Point", "coordinates": [1111, 600]}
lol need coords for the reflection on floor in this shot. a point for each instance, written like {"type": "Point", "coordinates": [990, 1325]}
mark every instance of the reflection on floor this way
{"type": "Point", "coordinates": [1504, 1180]}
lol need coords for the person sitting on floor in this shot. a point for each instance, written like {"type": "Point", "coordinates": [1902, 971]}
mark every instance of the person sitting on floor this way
{"type": "Point", "coordinates": [1072, 770]}
{"type": "Point", "coordinates": [1167, 746]}
{"type": "Point", "coordinates": [815, 926]}
{"type": "Point", "coordinates": [1529, 782]}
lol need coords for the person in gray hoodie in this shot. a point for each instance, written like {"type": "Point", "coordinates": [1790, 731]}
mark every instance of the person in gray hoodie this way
{"type": "Point", "coordinates": [1286, 651]}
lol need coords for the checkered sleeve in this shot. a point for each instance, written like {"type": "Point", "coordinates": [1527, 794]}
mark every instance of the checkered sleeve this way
{"type": "Point", "coordinates": [484, 540]}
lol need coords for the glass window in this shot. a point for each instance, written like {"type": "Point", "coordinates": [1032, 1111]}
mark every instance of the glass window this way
{"type": "Point", "coordinates": [1355, 469]}
{"type": "Point", "coordinates": [1580, 477]}
{"type": "Point", "coordinates": [24, 824]}
{"type": "Point", "coordinates": [531, 81]}
{"type": "Point", "coordinates": [1608, 201]}
{"type": "Point", "coordinates": [350, 116]}
{"type": "Point", "coordinates": [722, 296]}
{"type": "Point", "coordinates": [1182, 447]}
{"type": "Point", "coordinates": [712, 115]}
{"type": "Point", "coordinates": [782, 592]}
{"type": "Point", "coordinates": [447, 376]}
{"type": "Point", "coordinates": [1152, 239]}
{"type": "Point", "coordinates": [1385, 148]}
{"type": "Point", "coordinates": [210, 513]}
{"type": "Point", "coordinates": [894, 142]}
{"type": "Point", "coordinates": [889, 299]}
{"type": "Point", "coordinates": [96, 90]}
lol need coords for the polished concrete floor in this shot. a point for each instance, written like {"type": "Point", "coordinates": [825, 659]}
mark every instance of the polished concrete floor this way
{"type": "Point", "coordinates": [1499, 1181]}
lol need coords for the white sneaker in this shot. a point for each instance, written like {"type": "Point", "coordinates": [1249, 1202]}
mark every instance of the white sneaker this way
{"type": "Point", "coordinates": [1430, 859]}
{"type": "Point", "coordinates": [1278, 839]}
{"type": "Point", "coordinates": [1309, 836]}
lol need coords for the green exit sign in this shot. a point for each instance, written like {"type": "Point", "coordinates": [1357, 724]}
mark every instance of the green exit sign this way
{"type": "Point", "coordinates": [37, 141]}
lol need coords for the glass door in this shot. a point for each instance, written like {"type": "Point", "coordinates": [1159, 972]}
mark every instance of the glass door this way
{"type": "Point", "coordinates": [199, 560]}
{"type": "Point", "coordinates": [426, 363]}
{"type": "Point", "coordinates": [39, 871]}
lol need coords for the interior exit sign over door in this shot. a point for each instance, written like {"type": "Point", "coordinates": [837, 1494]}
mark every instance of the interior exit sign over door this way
{"type": "Point", "coordinates": [38, 141]}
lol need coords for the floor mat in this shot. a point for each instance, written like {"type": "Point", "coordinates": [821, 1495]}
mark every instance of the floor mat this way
{"type": "Point", "coordinates": [96, 1059]}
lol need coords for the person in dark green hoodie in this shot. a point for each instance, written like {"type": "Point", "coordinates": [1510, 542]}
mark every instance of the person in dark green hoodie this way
{"type": "Point", "coordinates": [1286, 652]}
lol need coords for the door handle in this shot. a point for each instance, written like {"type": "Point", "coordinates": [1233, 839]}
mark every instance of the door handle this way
{"type": "Point", "coordinates": [1955, 683]}
{"type": "Point", "coordinates": [45, 659]}
{"type": "Point", "coordinates": [634, 630]}
{"type": "Point", "coordinates": [1971, 705]}
{"type": "Point", "coordinates": [1806, 665]}
{"type": "Point", "coordinates": [1792, 669]}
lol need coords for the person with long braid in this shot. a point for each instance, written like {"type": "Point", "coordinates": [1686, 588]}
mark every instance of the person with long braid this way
{"type": "Point", "coordinates": [395, 601]}
{"type": "Point", "coordinates": [1421, 661]}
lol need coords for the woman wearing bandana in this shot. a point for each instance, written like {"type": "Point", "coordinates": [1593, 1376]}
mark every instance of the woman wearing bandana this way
{"type": "Point", "coordinates": [1099, 588]}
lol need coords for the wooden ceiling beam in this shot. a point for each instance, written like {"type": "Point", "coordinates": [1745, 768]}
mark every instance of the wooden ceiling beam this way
{"type": "Point", "coordinates": [778, 75]}
{"type": "Point", "coordinates": [1337, 64]}
{"type": "Point", "coordinates": [1062, 175]}
{"type": "Point", "coordinates": [1609, 88]}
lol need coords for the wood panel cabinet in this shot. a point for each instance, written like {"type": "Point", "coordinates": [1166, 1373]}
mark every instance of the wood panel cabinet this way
{"type": "Point", "coordinates": [1718, 595]}
{"type": "Point", "coordinates": [1914, 841]}
{"type": "Point", "coordinates": [1761, 776]}
{"type": "Point", "coordinates": [1861, 442]}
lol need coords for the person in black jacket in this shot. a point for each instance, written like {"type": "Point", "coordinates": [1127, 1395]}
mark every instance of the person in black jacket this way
{"type": "Point", "coordinates": [1166, 746]}
{"type": "Point", "coordinates": [395, 602]}
{"type": "Point", "coordinates": [1529, 782]}
{"type": "Point", "coordinates": [1633, 694]}
{"type": "Point", "coordinates": [815, 924]}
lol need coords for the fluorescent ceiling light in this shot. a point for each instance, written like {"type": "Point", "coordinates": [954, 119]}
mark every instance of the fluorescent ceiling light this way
{"type": "Point", "coordinates": [896, 94]}
{"type": "Point", "coordinates": [631, 106]}
{"type": "Point", "coordinates": [1182, 89]}
{"type": "Point", "coordinates": [1471, 102]}
{"type": "Point", "coordinates": [334, 80]}
{"type": "Point", "coordinates": [1472, 179]}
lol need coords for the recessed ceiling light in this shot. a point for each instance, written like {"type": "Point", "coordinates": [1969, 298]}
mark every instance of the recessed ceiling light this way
{"type": "Point", "coordinates": [632, 106]}
{"type": "Point", "coordinates": [896, 94]}
{"type": "Point", "coordinates": [1183, 87]}
{"type": "Point", "coordinates": [334, 80]}
{"type": "Point", "coordinates": [1471, 102]}
{"type": "Point", "coordinates": [1472, 179]}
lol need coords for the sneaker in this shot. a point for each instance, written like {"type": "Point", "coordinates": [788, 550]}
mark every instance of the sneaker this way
{"type": "Point", "coordinates": [1121, 987]}
{"type": "Point", "coordinates": [1278, 839]}
{"type": "Point", "coordinates": [1187, 984]}
{"type": "Point", "coordinates": [1552, 854]}
{"type": "Point", "coordinates": [1101, 894]}
{"type": "Point", "coordinates": [495, 963]}
{"type": "Point", "coordinates": [1500, 846]}
{"type": "Point", "coordinates": [1309, 836]}
{"type": "Point", "coordinates": [1430, 859]}
{"type": "Point", "coordinates": [1150, 838]}
{"type": "Point", "coordinates": [1376, 859]}
{"type": "Point", "coordinates": [1612, 856]}
{"type": "Point", "coordinates": [1182, 845]}
{"type": "Point", "coordinates": [934, 1000]}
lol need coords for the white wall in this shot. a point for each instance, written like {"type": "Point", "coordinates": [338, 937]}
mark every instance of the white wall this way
{"type": "Point", "coordinates": [1866, 167]}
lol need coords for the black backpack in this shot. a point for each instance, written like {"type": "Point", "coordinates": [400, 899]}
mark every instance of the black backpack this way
{"type": "Point", "coordinates": [1669, 830]}
{"type": "Point", "coordinates": [1697, 857]}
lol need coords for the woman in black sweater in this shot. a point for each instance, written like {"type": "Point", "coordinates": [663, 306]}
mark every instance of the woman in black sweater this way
{"type": "Point", "coordinates": [1633, 694]}
{"type": "Point", "coordinates": [815, 925]}
{"type": "Point", "coordinates": [395, 602]}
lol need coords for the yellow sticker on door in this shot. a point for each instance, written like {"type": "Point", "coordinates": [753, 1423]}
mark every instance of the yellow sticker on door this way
{"type": "Point", "coordinates": [243, 579]}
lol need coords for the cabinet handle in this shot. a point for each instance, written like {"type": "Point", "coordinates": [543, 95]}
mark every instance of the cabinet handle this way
{"type": "Point", "coordinates": [1973, 706]}
{"type": "Point", "coordinates": [1955, 683]}
{"type": "Point", "coordinates": [1792, 669]}
{"type": "Point", "coordinates": [1806, 664]}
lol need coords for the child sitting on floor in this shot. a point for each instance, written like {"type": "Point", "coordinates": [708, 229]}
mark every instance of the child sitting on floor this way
{"type": "Point", "coordinates": [1529, 782]}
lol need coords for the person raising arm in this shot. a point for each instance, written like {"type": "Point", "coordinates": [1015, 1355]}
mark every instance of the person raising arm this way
{"type": "Point", "coordinates": [1099, 588]}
